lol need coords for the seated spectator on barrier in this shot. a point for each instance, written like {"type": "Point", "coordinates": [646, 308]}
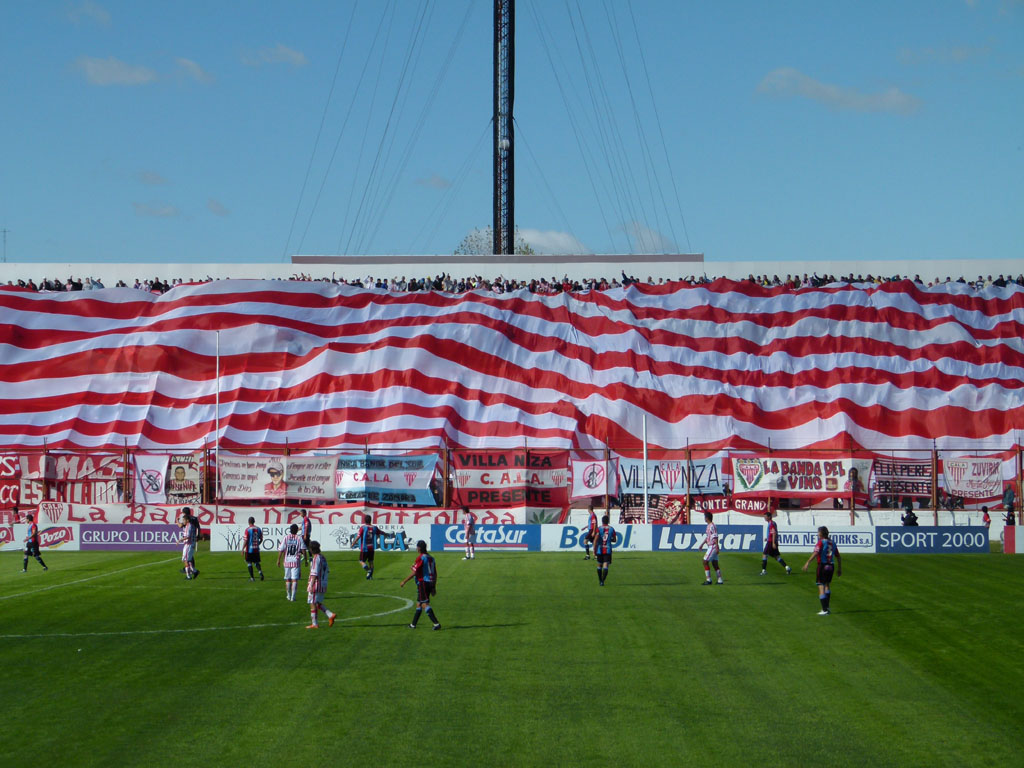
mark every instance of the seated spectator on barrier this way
{"type": "Point", "coordinates": [1010, 518]}
{"type": "Point", "coordinates": [1008, 498]}
{"type": "Point", "coordinates": [908, 517]}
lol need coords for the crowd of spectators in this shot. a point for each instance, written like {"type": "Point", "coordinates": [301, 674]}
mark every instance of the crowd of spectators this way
{"type": "Point", "coordinates": [450, 284]}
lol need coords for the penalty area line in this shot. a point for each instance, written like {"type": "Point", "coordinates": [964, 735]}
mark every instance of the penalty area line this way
{"type": "Point", "coordinates": [406, 604]}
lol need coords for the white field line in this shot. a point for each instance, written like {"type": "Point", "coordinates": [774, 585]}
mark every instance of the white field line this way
{"type": "Point", "coordinates": [407, 603]}
{"type": "Point", "coordinates": [87, 578]}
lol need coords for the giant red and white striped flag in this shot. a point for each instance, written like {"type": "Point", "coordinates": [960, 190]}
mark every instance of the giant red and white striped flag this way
{"type": "Point", "coordinates": [316, 365]}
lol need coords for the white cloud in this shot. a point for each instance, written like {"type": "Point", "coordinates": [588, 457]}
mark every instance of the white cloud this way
{"type": "Point", "coordinates": [217, 208]}
{"type": "Point", "coordinates": [435, 181]}
{"type": "Point", "coordinates": [88, 11]}
{"type": "Point", "coordinates": [156, 210]}
{"type": "Point", "coordinates": [788, 82]}
{"type": "Point", "coordinates": [279, 54]}
{"type": "Point", "coordinates": [551, 241]}
{"type": "Point", "coordinates": [954, 53]}
{"type": "Point", "coordinates": [111, 71]}
{"type": "Point", "coordinates": [194, 70]}
{"type": "Point", "coordinates": [151, 178]}
{"type": "Point", "coordinates": [647, 240]}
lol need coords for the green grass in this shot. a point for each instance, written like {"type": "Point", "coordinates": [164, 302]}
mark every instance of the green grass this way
{"type": "Point", "coordinates": [920, 664]}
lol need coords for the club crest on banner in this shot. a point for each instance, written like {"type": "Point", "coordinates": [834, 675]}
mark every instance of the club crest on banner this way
{"type": "Point", "coordinates": [749, 471]}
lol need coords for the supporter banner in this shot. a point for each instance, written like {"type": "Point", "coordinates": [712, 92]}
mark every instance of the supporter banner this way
{"type": "Point", "coordinates": [386, 479]}
{"type": "Point", "coordinates": [184, 479]}
{"type": "Point", "coordinates": [135, 538]}
{"type": "Point", "coordinates": [671, 478]}
{"type": "Point", "coordinates": [797, 476]}
{"type": "Point", "coordinates": [60, 512]}
{"type": "Point", "coordinates": [78, 479]}
{"type": "Point", "coordinates": [510, 478]}
{"type": "Point", "coordinates": [731, 538]}
{"type": "Point", "coordinates": [12, 537]}
{"type": "Point", "coordinates": [150, 479]}
{"type": "Point", "coordinates": [748, 505]}
{"type": "Point", "coordinates": [938, 540]}
{"type": "Point", "coordinates": [901, 477]}
{"type": "Point", "coordinates": [10, 480]}
{"type": "Point", "coordinates": [270, 477]}
{"type": "Point", "coordinates": [521, 538]}
{"type": "Point", "coordinates": [569, 538]}
{"type": "Point", "coordinates": [594, 477]}
{"type": "Point", "coordinates": [974, 477]}
{"type": "Point", "coordinates": [797, 538]}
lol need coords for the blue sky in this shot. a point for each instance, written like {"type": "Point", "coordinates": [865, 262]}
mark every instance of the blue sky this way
{"type": "Point", "coordinates": [210, 132]}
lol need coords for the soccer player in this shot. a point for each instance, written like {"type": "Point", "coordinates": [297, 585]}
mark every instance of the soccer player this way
{"type": "Point", "coordinates": [711, 556]}
{"type": "Point", "coordinates": [189, 536]}
{"type": "Point", "coordinates": [366, 539]}
{"type": "Point", "coordinates": [828, 561]}
{"type": "Point", "coordinates": [425, 572]}
{"type": "Point", "coordinates": [32, 544]}
{"type": "Point", "coordinates": [317, 587]}
{"type": "Point", "coordinates": [307, 531]}
{"type": "Point", "coordinates": [591, 530]}
{"type": "Point", "coordinates": [603, 540]}
{"type": "Point", "coordinates": [771, 546]}
{"type": "Point", "coordinates": [986, 518]}
{"type": "Point", "coordinates": [291, 550]}
{"type": "Point", "coordinates": [252, 539]}
{"type": "Point", "coordinates": [469, 522]}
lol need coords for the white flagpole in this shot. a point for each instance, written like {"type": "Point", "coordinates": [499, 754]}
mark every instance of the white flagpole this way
{"type": "Point", "coordinates": [645, 468]}
{"type": "Point", "coordinates": [216, 437]}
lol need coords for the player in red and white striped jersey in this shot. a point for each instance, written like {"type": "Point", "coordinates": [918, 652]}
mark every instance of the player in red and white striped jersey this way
{"type": "Point", "coordinates": [711, 556]}
{"type": "Point", "coordinates": [291, 550]}
{"type": "Point", "coordinates": [317, 586]}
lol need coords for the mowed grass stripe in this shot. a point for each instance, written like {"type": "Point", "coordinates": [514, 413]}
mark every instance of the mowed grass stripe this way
{"type": "Point", "coordinates": [536, 664]}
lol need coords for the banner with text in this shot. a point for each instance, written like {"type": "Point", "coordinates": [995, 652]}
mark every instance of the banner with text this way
{"type": "Point", "coordinates": [184, 479]}
{"type": "Point", "coordinates": [895, 478]}
{"type": "Point", "coordinates": [271, 477]}
{"type": "Point", "coordinates": [387, 480]}
{"type": "Point", "coordinates": [670, 477]}
{"type": "Point", "coordinates": [12, 537]}
{"type": "Point", "coordinates": [796, 476]}
{"type": "Point", "coordinates": [510, 478]}
{"type": "Point", "coordinates": [976, 478]}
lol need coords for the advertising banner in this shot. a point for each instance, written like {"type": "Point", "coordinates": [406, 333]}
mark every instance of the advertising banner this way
{"type": "Point", "coordinates": [386, 480]}
{"type": "Point", "coordinates": [594, 477]}
{"type": "Point", "coordinates": [796, 538]}
{"type": "Point", "coordinates": [150, 478]}
{"type": "Point", "coordinates": [683, 538]}
{"type": "Point", "coordinates": [500, 538]}
{"type": "Point", "coordinates": [795, 475]}
{"type": "Point", "coordinates": [510, 478]}
{"type": "Point", "coordinates": [184, 479]}
{"type": "Point", "coordinates": [65, 537]}
{"type": "Point", "coordinates": [974, 477]}
{"type": "Point", "coordinates": [134, 538]}
{"type": "Point", "coordinates": [894, 478]}
{"type": "Point", "coordinates": [332, 538]}
{"type": "Point", "coordinates": [569, 538]}
{"type": "Point", "coordinates": [931, 540]}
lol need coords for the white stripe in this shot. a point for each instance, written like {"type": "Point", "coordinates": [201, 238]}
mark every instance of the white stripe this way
{"type": "Point", "coordinates": [407, 604]}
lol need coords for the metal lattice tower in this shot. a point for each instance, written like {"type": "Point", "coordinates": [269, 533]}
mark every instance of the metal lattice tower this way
{"type": "Point", "coordinates": [504, 144]}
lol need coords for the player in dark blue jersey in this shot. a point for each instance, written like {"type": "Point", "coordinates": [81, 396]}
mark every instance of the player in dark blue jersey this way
{"type": "Point", "coordinates": [829, 562]}
{"type": "Point", "coordinates": [366, 541]}
{"type": "Point", "coordinates": [603, 540]}
{"type": "Point", "coordinates": [252, 539]}
{"type": "Point", "coordinates": [425, 572]}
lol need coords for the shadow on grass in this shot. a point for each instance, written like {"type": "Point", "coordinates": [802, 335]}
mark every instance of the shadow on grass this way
{"type": "Point", "coordinates": [876, 610]}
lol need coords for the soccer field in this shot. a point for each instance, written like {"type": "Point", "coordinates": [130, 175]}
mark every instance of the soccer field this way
{"type": "Point", "coordinates": [115, 659]}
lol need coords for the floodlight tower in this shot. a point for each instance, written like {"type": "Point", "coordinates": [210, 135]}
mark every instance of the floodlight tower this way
{"type": "Point", "coordinates": [504, 145]}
